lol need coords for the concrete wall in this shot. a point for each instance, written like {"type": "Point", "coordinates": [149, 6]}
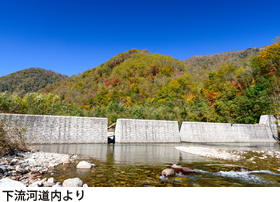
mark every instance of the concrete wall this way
{"type": "Point", "coordinates": [226, 132]}
{"type": "Point", "coordinates": [146, 131]}
{"type": "Point", "coordinates": [43, 129]}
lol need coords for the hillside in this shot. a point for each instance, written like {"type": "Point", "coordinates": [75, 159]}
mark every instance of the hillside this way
{"type": "Point", "coordinates": [29, 80]}
{"type": "Point", "coordinates": [200, 64]}
{"type": "Point", "coordinates": [130, 78]}
{"type": "Point", "coordinates": [137, 76]}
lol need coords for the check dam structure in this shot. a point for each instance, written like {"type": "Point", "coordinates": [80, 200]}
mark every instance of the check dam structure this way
{"type": "Point", "coordinates": [46, 129]}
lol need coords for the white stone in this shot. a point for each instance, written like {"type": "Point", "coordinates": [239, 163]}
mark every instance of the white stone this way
{"type": "Point", "coordinates": [6, 182]}
{"type": "Point", "coordinates": [66, 160]}
{"type": "Point", "coordinates": [168, 172]}
{"type": "Point", "coordinates": [84, 165]}
{"type": "Point", "coordinates": [38, 183]}
{"type": "Point", "coordinates": [72, 182]}
{"type": "Point", "coordinates": [51, 180]}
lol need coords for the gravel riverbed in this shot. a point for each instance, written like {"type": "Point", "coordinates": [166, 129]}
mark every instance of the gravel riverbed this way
{"type": "Point", "coordinates": [235, 155]}
{"type": "Point", "coordinates": [26, 169]}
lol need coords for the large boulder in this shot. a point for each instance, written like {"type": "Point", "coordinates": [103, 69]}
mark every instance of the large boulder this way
{"type": "Point", "coordinates": [168, 172]}
{"type": "Point", "coordinates": [85, 165]}
{"type": "Point", "coordinates": [6, 182]}
{"type": "Point", "coordinates": [72, 182]}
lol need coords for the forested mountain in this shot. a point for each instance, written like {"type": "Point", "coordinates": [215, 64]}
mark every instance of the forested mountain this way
{"type": "Point", "coordinates": [29, 80]}
{"type": "Point", "coordinates": [233, 87]}
{"type": "Point", "coordinates": [131, 78]}
{"type": "Point", "coordinates": [136, 77]}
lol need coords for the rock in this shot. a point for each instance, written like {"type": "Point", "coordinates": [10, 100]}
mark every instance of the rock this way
{"type": "Point", "coordinates": [65, 160]}
{"type": "Point", "coordinates": [176, 166]}
{"type": "Point", "coordinates": [72, 182]}
{"type": "Point", "coordinates": [21, 170]}
{"type": "Point", "coordinates": [168, 172]}
{"type": "Point", "coordinates": [9, 168]}
{"type": "Point", "coordinates": [27, 168]}
{"type": "Point", "coordinates": [84, 165]}
{"type": "Point", "coordinates": [38, 183]}
{"type": "Point", "coordinates": [2, 169]}
{"type": "Point", "coordinates": [8, 173]}
{"type": "Point", "coordinates": [14, 173]}
{"type": "Point", "coordinates": [44, 171]}
{"type": "Point", "coordinates": [185, 170]}
{"type": "Point", "coordinates": [24, 181]}
{"type": "Point", "coordinates": [13, 162]}
{"type": "Point", "coordinates": [239, 169]}
{"type": "Point", "coordinates": [6, 182]}
{"type": "Point", "coordinates": [51, 180]}
{"type": "Point", "coordinates": [49, 184]}
{"type": "Point", "coordinates": [15, 178]}
{"type": "Point", "coordinates": [57, 185]}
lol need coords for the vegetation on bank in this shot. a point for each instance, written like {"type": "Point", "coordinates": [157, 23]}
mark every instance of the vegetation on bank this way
{"type": "Point", "coordinates": [140, 85]}
{"type": "Point", "coordinates": [12, 137]}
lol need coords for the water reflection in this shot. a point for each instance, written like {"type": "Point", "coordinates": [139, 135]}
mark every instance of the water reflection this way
{"type": "Point", "coordinates": [145, 153]}
{"type": "Point", "coordinates": [98, 151]}
{"type": "Point", "coordinates": [126, 153]}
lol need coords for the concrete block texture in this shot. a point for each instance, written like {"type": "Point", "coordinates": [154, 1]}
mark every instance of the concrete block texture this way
{"type": "Point", "coordinates": [226, 132]}
{"type": "Point", "coordinates": [44, 129]}
{"type": "Point", "coordinates": [146, 131]}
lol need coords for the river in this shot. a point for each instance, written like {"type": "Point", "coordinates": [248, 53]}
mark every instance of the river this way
{"type": "Point", "coordinates": [141, 165]}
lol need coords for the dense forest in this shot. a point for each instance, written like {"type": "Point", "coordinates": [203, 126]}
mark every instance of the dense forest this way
{"type": "Point", "coordinates": [234, 87]}
{"type": "Point", "coordinates": [29, 80]}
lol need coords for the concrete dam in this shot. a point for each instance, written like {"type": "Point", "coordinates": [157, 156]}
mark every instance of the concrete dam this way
{"type": "Point", "coordinates": [202, 132]}
{"type": "Point", "coordinates": [45, 129]}
{"type": "Point", "coordinates": [146, 131]}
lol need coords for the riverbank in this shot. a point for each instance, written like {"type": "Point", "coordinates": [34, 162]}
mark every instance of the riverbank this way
{"type": "Point", "coordinates": [27, 168]}
{"type": "Point", "coordinates": [231, 155]}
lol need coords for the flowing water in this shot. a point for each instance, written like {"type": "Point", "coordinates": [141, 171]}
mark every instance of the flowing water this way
{"type": "Point", "coordinates": [141, 165]}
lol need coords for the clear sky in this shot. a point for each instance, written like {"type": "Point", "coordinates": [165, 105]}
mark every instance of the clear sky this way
{"type": "Point", "coordinates": [72, 36]}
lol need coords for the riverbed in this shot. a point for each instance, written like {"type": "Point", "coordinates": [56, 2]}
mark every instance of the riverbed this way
{"type": "Point", "coordinates": [140, 165]}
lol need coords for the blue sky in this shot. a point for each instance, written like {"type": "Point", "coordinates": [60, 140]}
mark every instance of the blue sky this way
{"type": "Point", "coordinates": [72, 36]}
